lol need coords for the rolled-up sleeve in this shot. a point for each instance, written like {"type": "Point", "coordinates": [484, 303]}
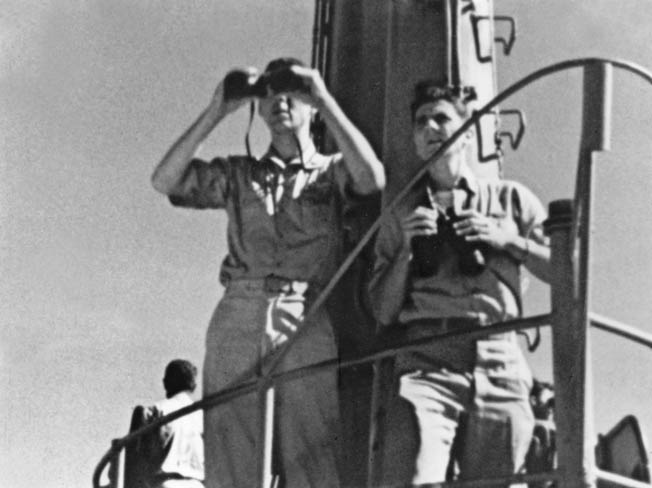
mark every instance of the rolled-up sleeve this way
{"type": "Point", "coordinates": [346, 186]}
{"type": "Point", "coordinates": [388, 284]}
{"type": "Point", "coordinates": [388, 242]}
{"type": "Point", "coordinates": [204, 185]}
{"type": "Point", "coordinates": [530, 214]}
{"type": "Point", "coordinates": [343, 180]}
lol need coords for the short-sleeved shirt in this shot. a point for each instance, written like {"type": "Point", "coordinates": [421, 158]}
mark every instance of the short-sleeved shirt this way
{"type": "Point", "coordinates": [174, 449]}
{"type": "Point", "coordinates": [284, 219]}
{"type": "Point", "coordinates": [494, 294]}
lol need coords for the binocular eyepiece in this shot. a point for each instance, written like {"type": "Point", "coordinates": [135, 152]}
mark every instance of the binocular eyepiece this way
{"type": "Point", "coordinates": [426, 249]}
{"type": "Point", "coordinates": [238, 84]}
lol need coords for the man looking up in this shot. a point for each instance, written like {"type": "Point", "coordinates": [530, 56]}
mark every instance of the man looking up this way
{"type": "Point", "coordinates": [449, 257]}
{"type": "Point", "coordinates": [284, 233]}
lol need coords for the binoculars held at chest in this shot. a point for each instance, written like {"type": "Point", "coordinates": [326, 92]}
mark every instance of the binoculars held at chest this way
{"type": "Point", "coordinates": [426, 250]}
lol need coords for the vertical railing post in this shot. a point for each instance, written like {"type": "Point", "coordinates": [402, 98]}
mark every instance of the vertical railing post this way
{"type": "Point", "coordinates": [596, 131]}
{"type": "Point", "coordinates": [569, 227]}
{"type": "Point", "coordinates": [383, 370]}
{"type": "Point", "coordinates": [114, 465]}
{"type": "Point", "coordinates": [266, 432]}
{"type": "Point", "coordinates": [569, 346]}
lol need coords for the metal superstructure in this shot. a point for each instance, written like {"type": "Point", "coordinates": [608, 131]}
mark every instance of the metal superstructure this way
{"type": "Point", "coordinates": [462, 50]}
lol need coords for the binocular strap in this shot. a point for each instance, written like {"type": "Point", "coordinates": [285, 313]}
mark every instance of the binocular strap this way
{"type": "Point", "coordinates": [252, 111]}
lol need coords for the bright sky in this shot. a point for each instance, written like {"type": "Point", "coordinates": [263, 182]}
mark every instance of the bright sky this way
{"type": "Point", "coordinates": [104, 283]}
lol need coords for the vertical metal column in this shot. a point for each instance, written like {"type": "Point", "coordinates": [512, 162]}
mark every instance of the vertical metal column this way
{"type": "Point", "coordinates": [570, 229]}
{"type": "Point", "coordinates": [568, 346]}
{"type": "Point", "coordinates": [114, 466]}
{"type": "Point", "coordinates": [266, 432]}
{"type": "Point", "coordinates": [383, 370]}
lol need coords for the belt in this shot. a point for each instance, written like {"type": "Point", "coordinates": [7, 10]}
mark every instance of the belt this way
{"type": "Point", "coordinates": [441, 325]}
{"type": "Point", "coordinates": [278, 284]}
{"type": "Point", "coordinates": [272, 284]}
{"type": "Point", "coordinates": [159, 477]}
{"type": "Point", "coordinates": [458, 356]}
{"type": "Point", "coordinates": [421, 328]}
{"type": "Point", "coordinates": [416, 329]}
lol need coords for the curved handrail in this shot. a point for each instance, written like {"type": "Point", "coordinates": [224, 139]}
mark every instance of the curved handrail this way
{"type": "Point", "coordinates": [383, 351]}
{"type": "Point", "coordinates": [248, 382]}
{"type": "Point", "coordinates": [623, 330]}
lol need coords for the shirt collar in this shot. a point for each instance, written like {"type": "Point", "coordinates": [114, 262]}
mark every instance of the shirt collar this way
{"type": "Point", "coordinates": [311, 158]}
{"type": "Point", "coordinates": [185, 394]}
{"type": "Point", "coordinates": [467, 181]}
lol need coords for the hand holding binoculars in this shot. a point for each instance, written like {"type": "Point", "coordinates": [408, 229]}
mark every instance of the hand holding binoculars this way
{"type": "Point", "coordinates": [240, 84]}
{"type": "Point", "coordinates": [426, 249]}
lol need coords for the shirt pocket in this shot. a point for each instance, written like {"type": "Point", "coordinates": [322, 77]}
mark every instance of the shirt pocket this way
{"type": "Point", "coordinates": [253, 202]}
{"type": "Point", "coordinates": [317, 207]}
{"type": "Point", "coordinates": [255, 224]}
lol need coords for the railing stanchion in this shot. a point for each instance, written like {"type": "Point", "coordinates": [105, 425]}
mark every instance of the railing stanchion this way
{"type": "Point", "coordinates": [266, 432]}
{"type": "Point", "coordinates": [570, 229]}
{"type": "Point", "coordinates": [569, 349]}
{"type": "Point", "coordinates": [383, 371]}
{"type": "Point", "coordinates": [114, 466]}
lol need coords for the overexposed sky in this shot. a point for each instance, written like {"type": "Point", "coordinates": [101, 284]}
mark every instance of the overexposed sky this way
{"type": "Point", "coordinates": [104, 282]}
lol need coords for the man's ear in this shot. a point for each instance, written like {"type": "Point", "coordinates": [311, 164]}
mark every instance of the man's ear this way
{"type": "Point", "coordinates": [314, 116]}
{"type": "Point", "coordinates": [467, 137]}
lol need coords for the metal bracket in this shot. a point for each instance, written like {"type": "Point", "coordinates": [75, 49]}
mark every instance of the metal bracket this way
{"type": "Point", "coordinates": [469, 7]}
{"type": "Point", "coordinates": [514, 140]}
{"type": "Point", "coordinates": [507, 43]}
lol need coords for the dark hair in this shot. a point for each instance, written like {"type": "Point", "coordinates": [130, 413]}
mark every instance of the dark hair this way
{"type": "Point", "coordinates": [280, 63]}
{"type": "Point", "coordinates": [430, 90]}
{"type": "Point", "coordinates": [538, 386]}
{"type": "Point", "coordinates": [180, 376]}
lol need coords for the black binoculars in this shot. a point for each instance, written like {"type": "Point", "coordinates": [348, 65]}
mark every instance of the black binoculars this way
{"type": "Point", "coordinates": [237, 84]}
{"type": "Point", "coordinates": [425, 249]}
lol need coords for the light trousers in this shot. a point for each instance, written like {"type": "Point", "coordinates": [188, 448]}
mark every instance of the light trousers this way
{"type": "Point", "coordinates": [493, 401]}
{"type": "Point", "coordinates": [250, 323]}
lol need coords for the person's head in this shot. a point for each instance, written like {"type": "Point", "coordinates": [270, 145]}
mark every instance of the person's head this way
{"type": "Point", "coordinates": [438, 111]}
{"type": "Point", "coordinates": [180, 375]}
{"type": "Point", "coordinates": [542, 399]}
{"type": "Point", "coordinates": [283, 113]}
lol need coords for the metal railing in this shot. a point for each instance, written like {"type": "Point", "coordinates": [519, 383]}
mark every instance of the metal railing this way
{"type": "Point", "coordinates": [570, 318]}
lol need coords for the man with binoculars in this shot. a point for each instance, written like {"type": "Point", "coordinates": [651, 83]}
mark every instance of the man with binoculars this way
{"type": "Point", "coordinates": [449, 258]}
{"type": "Point", "coordinates": [284, 236]}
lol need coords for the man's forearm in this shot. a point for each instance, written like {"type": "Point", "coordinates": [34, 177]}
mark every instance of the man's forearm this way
{"type": "Point", "coordinates": [366, 170]}
{"type": "Point", "coordinates": [169, 173]}
{"type": "Point", "coordinates": [534, 256]}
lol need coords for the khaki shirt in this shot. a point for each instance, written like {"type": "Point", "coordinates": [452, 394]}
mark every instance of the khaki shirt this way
{"type": "Point", "coordinates": [492, 296]}
{"type": "Point", "coordinates": [284, 219]}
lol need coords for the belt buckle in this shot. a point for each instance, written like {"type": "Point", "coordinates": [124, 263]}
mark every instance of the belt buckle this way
{"type": "Point", "coordinates": [276, 284]}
